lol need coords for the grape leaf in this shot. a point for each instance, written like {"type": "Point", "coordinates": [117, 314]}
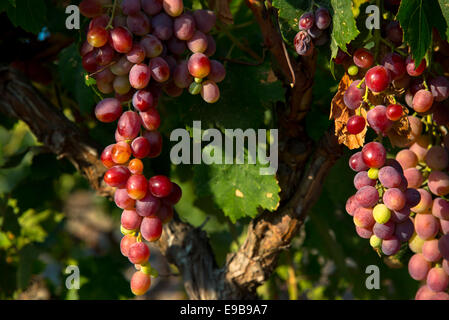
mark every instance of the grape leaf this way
{"type": "Point", "coordinates": [73, 78]}
{"type": "Point", "coordinates": [340, 113]}
{"type": "Point", "coordinates": [239, 190]}
{"type": "Point", "coordinates": [344, 28]}
{"type": "Point", "coordinates": [417, 19]}
{"type": "Point", "coordinates": [30, 15]}
{"type": "Point", "coordinates": [289, 13]}
{"type": "Point", "coordinates": [246, 93]}
{"type": "Point", "coordinates": [444, 5]}
{"type": "Point", "coordinates": [288, 16]}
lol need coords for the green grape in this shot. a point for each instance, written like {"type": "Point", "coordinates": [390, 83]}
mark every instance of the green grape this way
{"type": "Point", "coordinates": [381, 213]}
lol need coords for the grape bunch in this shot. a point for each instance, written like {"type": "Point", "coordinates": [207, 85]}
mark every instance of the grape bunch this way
{"type": "Point", "coordinates": [151, 45]}
{"type": "Point", "coordinates": [135, 50]}
{"type": "Point", "coordinates": [313, 28]}
{"type": "Point", "coordinates": [401, 203]}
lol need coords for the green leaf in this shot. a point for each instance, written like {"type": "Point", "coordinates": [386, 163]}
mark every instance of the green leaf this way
{"type": "Point", "coordinates": [11, 177]}
{"type": "Point", "coordinates": [344, 28]}
{"type": "Point", "coordinates": [72, 78]}
{"type": "Point", "coordinates": [444, 5]}
{"type": "Point", "coordinates": [30, 15]}
{"type": "Point", "coordinates": [289, 12]}
{"type": "Point", "coordinates": [288, 16]}
{"type": "Point", "coordinates": [417, 19]}
{"type": "Point", "coordinates": [246, 93]}
{"type": "Point", "coordinates": [239, 190]}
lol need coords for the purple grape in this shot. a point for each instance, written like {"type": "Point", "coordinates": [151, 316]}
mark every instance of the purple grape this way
{"type": "Point", "coordinates": [181, 75]}
{"type": "Point", "coordinates": [152, 46]}
{"type": "Point", "coordinates": [148, 206]}
{"type": "Point", "coordinates": [176, 46]}
{"type": "Point", "coordinates": [162, 26]}
{"type": "Point", "coordinates": [391, 246]}
{"type": "Point", "coordinates": [367, 196]}
{"type": "Point", "coordinates": [130, 6]}
{"type": "Point", "coordinates": [384, 231]}
{"type": "Point", "coordinates": [138, 24]}
{"type": "Point", "coordinates": [205, 20]}
{"type": "Point", "coordinates": [322, 18]}
{"type": "Point", "coordinates": [361, 180]}
{"type": "Point", "coordinates": [389, 177]}
{"type": "Point", "coordinates": [440, 88]}
{"type": "Point", "coordinates": [152, 7]}
{"type": "Point", "coordinates": [303, 44]}
{"type": "Point", "coordinates": [353, 96]}
{"type": "Point", "coordinates": [404, 230]}
{"type": "Point", "coordinates": [184, 27]}
{"type": "Point", "coordinates": [378, 120]}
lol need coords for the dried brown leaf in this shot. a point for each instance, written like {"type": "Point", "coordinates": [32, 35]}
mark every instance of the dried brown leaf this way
{"type": "Point", "coordinates": [340, 113]}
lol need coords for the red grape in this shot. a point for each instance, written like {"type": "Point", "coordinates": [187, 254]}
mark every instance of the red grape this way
{"type": "Point", "coordinates": [410, 63]}
{"type": "Point", "coordinates": [137, 186]}
{"type": "Point", "coordinates": [160, 186]}
{"type": "Point", "coordinates": [117, 176]}
{"type": "Point", "coordinates": [143, 100]}
{"type": "Point", "coordinates": [129, 125]}
{"type": "Point", "coordinates": [140, 147]}
{"type": "Point", "coordinates": [108, 110]}
{"type": "Point", "coordinates": [121, 40]}
{"type": "Point", "coordinates": [363, 58]}
{"type": "Point", "coordinates": [199, 65]}
{"type": "Point", "coordinates": [374, 155]}
{"type": "Point", "coordinates": [140, 283]}
{"type": "Point", "coordinates": [377, 79]}
{"type": "Point", "coordinates": [394, 112]}
{"type": "Point", "coordinates": [151, 228]}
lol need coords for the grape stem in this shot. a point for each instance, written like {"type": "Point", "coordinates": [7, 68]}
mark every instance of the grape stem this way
{"type": "Point", "coordinates": [111, 20]}
{"type": "Point", "coordinates": [359, 86]}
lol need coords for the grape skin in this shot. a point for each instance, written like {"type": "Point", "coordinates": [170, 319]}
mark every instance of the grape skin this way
{"type": "Point", "coordinates": [205, 20]}
{"type": "Point", "coordinates": [210, 91]}
{"type": "Point", "coordinates": [407, 159]}
{"type": "Point", "coordinates": [394, 199]}
{"type": "Point", "coordinates": [404, 230]}
{"type": "Point", "coordinates": [437, 158]}
{"type": "Point", "coordinates": [367, 196]}
{"type": "Point", "coordinates": [430, 250]}
{"type": "Point", "coordinates": [108, 110]}
{"type": "Point", "coordinates": [438, 183]}
{"type": "Point", "coordinates": [378, 120]}
{"type": "Point", "coordinates": [426, 226]}
{"type": "Point", "coordinates": [140, 283]}
{"type": "Point", "coordinates": [151, 228]}
{"type": "Point", "coordinates": [353, 95]}
{"type": "Point", "coordinates": [130, 219]}
{"type": "Point", "coordinates": [418, 267]}
{"type": "Point", "coordinates": [129, 125]}
{"type": "Point", "coordinates": [437, 280]}
{"type": "Point", "coordinates": [361, 180]}
{"type": "Point", "coordinates": [440, 208]}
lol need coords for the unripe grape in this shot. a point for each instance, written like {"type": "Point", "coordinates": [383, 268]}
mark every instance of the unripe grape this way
{"type": "Point", "coordinates": [381, 214]}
